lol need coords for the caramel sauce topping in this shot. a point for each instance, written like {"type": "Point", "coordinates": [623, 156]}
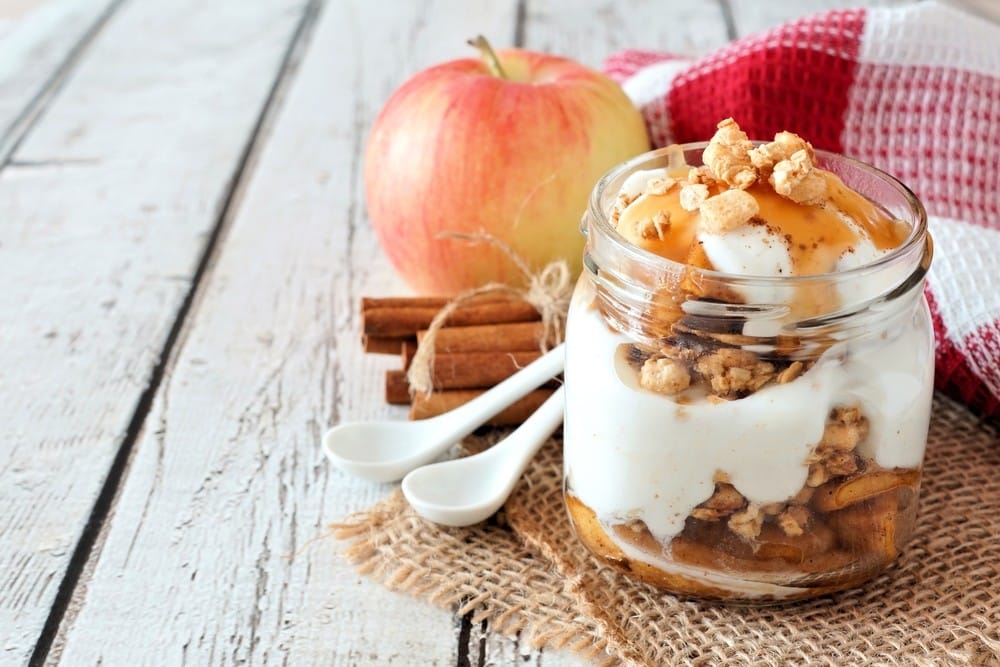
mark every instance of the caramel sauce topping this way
{"type": "Point", "coordinates": [817, 236]}
{"type": "Point", "coordinates": [808, 213]}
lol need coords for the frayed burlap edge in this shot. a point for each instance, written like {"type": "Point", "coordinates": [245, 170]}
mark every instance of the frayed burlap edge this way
{"type": "Point", "coordinates": [483, 571]}
{"type": "Point", "coordinates": [527, 574]}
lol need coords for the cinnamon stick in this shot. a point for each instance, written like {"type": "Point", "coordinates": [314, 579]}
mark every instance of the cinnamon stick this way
{"type": "Point", "coordinates": [407, 320]}
{"type": "Point", "coordinates": [409, 349]}
{"type": "Point", "coordinates": [373, 302]}
{"type": "Point", "coordinates": [509, 337]}
{"type": "Point", "coordinates": [397, 389]}
{"type": "Point", "coordinates": [485, 342]}
{"type": "Point", "coordinates": [461, 370]}
{"type": "Point", "coordinates": [474, 370]}
{"type": "Point", "coordinates": [384, 344]}
{"type": "Point", "coordinates": [440, 402]}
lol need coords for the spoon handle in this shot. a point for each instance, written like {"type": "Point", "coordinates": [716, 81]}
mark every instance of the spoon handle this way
{"type": "Point", "coordinates": [462, 492]}
{"type": "Point", "coordinates": [517, 450]}
{"type": "Point", "coordinates": [466, 418]}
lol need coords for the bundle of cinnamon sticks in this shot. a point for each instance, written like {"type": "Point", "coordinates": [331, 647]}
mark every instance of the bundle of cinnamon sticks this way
{"type": "Point", "coordinates": [483, 342]}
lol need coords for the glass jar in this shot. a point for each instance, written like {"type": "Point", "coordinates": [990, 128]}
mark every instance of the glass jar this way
{"type": "Point", "coordinates": [802, 477]}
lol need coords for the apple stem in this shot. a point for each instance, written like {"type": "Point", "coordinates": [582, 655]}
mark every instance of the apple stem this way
{"type": "Point", "coordinates": [488, 55]}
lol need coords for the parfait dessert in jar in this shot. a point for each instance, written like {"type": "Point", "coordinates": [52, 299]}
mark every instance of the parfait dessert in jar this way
{"type": "Point", "coordinates": [749, 369]}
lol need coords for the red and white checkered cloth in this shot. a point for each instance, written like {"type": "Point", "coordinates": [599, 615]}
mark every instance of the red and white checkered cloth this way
{"type": "Point", "coordinates": [914, 91]}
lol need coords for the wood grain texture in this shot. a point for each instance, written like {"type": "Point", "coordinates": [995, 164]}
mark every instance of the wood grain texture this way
{"type": "Point", "coordinates": [592, 30]}
{"type": "Point", "coordinates": [222, 520]}
{"type": "Point", "coordinates": [106, 210]}
{"type": "Point", "coordinates": [39, 42]}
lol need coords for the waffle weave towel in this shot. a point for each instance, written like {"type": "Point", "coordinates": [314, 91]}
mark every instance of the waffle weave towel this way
{"type": "Point", "coordinates": [912, 90]}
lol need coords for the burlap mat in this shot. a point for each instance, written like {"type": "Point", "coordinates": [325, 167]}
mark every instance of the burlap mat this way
{"type": "Point", "coordinates": [526, 573]}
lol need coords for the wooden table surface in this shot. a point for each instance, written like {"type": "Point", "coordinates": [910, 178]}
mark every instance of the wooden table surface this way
{"type": "Point", "coordinates": [183, 243]}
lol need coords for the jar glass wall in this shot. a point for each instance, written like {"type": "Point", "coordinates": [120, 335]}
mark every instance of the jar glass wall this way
{"type": "Point", "coordinates": [788, 464]}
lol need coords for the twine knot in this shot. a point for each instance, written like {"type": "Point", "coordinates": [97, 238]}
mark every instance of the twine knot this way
{"type": "Point", "coordinates": [548, 291]}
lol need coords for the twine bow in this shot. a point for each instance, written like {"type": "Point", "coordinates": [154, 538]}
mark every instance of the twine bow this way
{"type": "Point", "coordinates": [548, 290]}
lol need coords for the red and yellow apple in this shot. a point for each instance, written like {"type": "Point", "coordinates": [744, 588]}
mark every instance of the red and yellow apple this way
{"type": "Point", "coordinates": [510, 145]}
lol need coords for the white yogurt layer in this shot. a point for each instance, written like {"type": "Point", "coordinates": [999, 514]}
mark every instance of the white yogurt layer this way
{"type": "Point", "coordinates": [634, 454]}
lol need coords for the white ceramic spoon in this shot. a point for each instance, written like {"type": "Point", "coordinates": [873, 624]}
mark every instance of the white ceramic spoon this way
{"type": "Point", "coordinates": [466, 491]}
{"type": "Point", "coordinates": [385, 451]}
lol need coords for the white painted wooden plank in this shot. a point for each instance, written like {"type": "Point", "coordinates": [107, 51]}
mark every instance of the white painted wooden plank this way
{"type": "Point", "coordinates": [216, 553]}
{"type": "Point", "coordinates": [37, 39]}
{"type": "Point", "coordinates": [751, 17]}
{"type": "Point", "coordinates": [105, 212]}
{"type": "Point", "coordinates": [592, 30]}
{"type": "Point", "coordinates": [488, 648]}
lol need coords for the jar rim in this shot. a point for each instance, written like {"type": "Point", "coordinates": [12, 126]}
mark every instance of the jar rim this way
{"type": "Point", "coordinates": [917, 237]}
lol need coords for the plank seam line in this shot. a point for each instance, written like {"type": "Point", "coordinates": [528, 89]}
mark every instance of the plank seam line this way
{"type": "Point", "coordinates": [727, 16]}
{"type": "Point", "coordinates": [520, 21]}
{"type": "Point", "coordinates": [119, 468]}
{"type": "Point", "coordinates": [26, 120]}
{"type": "Point", "coordinates": [464, 637]}
{"type": "Point", "coordinates": [483, 627]}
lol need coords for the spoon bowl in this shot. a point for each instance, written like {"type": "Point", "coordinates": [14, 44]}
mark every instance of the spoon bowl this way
{"type": "Point", "coordinates": [384, 451]}
{"type": "Point", "coordinates": [375, 450]}
{"type": "Point", "coordinates": [466, 491]}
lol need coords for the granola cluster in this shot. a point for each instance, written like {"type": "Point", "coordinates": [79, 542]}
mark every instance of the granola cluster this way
{"type": "Point", "coordinates": [726, 372]}
{"type": "Point", "coordinates": [717, 191]}
{"type": "Point", "coordinates": [788, 163]}
{"type": "Point", "coordinates": [835, 456]}
{"type": "Point", "coordinates": [832, 457]}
